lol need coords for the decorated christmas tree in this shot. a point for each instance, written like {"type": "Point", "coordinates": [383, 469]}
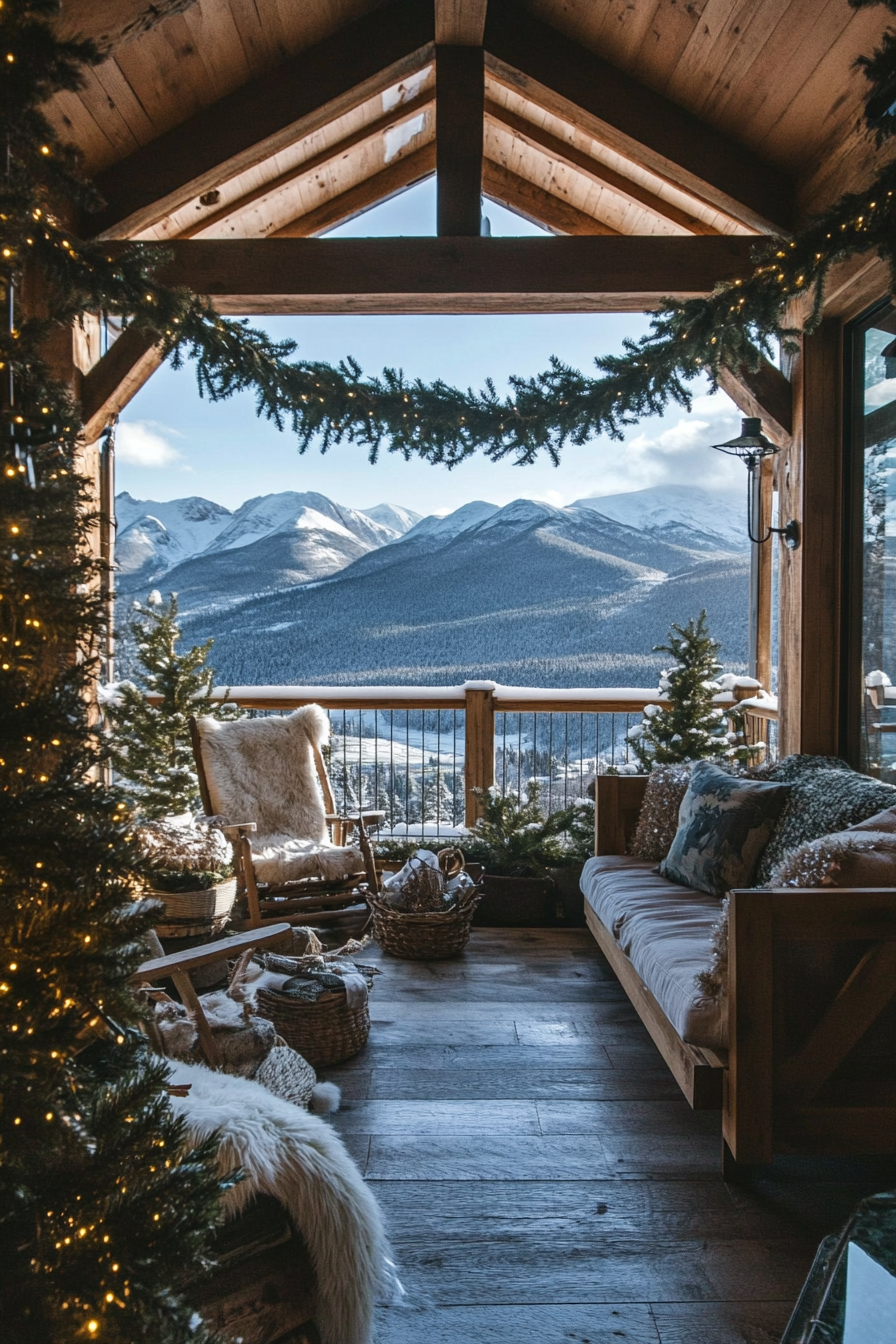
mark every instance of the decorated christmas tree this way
{"type": "Point", "coordinates": [690, 726]}
{"type": "Point", "coordinates": [151, 748]}
{"type": "Point", "coordinates": [105, 1211]}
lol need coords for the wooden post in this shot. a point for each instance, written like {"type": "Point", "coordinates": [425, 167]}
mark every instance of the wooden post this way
{"type": "Point", "coordinates": [460, 108]}
{"type": "Point", "coordinates": [810, 490]}
{"type": "Point", "coordinates": [479, 748]}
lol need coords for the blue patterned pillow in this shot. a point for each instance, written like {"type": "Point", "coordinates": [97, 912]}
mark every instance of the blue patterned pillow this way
{"type": "Point", "coordinates": [724, 824]}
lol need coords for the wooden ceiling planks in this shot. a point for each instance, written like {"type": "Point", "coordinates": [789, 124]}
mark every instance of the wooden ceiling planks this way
{"type": "Point", "coordinates": [403, 172]}
{"type": "Point", "coordinates": [532, 202]}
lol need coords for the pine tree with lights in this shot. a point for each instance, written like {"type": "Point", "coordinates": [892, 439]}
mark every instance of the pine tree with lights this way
{"type": "Point", "coordinates": [690, 727]}
{"type": "Point", "coordinates": [151, 749]}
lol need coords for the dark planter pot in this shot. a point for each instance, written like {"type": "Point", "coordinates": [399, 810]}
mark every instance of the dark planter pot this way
{"type": "Point", "coordinates": [516, 902]}
{"type": "Point", "coordinates": [570, 902]}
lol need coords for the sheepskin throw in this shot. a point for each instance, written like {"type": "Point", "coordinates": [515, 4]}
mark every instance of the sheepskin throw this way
{"type": "Point", "coordinates": [297, 1158]}
{"type": "Point", "coordinates": [263, 770]}
{"type": "Point", "coordinates": [827, 796]}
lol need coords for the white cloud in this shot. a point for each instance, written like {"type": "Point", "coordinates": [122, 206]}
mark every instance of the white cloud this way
{"type": "Point", "coordinates": [141, 444]}
{"type": "Point", "coordinates": [674, 450]}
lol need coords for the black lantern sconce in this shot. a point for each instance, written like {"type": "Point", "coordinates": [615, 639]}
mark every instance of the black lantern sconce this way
{"type": "Point", "coordinates": [751, 446]}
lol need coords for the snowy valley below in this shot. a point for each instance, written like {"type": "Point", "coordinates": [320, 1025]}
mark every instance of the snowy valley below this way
{"type": "Point", "coordinates": [294, 587]}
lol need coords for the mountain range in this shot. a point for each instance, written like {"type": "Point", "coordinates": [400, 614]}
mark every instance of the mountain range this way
{"type": "Point", "coordinates": [296, 588]}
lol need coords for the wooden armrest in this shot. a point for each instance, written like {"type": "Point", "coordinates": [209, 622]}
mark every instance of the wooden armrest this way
{"type": "Point", "coordinates": [238, 829]}
{"type": "Point", "coordinates": [208, 952]}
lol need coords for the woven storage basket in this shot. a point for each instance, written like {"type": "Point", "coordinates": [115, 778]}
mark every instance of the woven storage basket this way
{"type": "Point", "coordinates": [189, 914]}
{"type": "Point", "coordinates": [287, 1074]}
{"type": "Point", "coordinates": [324, 1032]}
{"type": "Point", "coordinates": [428, 936]}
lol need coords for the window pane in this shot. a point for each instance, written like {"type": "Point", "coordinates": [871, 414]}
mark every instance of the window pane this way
{"type": "Point", "coordinates": [877, 417]}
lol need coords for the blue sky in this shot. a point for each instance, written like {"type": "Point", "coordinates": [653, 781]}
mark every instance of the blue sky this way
{"type": "Point", "coordinates": [172, 443]}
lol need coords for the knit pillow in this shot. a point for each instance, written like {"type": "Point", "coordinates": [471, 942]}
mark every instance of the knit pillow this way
{"type": "Point", "coordinates": [658, 818]}
{"type": "Point", "coordinates": [827, 796]}
{"type": "Point", "coordinates": [855, 858]}
{"type": "Point", "coordinates": [723, 827]}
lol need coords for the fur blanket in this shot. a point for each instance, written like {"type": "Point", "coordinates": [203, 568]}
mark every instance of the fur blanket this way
{"type": "Point", "coordinates": [298, 1158]}
{"type": "Point", "coordinates": [263, 770]}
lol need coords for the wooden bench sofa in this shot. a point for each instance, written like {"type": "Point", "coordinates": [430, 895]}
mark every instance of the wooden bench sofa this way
{"type": "Point", "coordinates": [809, 1064]}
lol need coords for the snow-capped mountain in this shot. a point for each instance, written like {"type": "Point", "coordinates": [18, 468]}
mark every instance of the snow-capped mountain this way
{"type": "Point", "coordinates": [315, 537]}
{"type": "Point", "coordinates": [154, 536]}
{"type": "Point", "coordinates": [687, 514]}
{"type": "Point", "coordinates": [392, 515]}
{"type": "Point", "coordinates": [528, 593]}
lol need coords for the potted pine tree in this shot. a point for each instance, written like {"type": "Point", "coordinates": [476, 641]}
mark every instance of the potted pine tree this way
{"type": "Point", "coordinates": [531, 863]}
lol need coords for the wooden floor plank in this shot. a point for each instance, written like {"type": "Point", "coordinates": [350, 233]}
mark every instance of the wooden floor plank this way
{"type": "Point", "coordinates": [540, 1174]}
{"type": "Point", "coordinates": [553, 1324]}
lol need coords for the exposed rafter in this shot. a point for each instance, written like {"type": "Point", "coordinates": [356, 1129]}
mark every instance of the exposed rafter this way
{"type": "Point", "coordinates": [305, 92]}
{"type": "Point", "coordinates": [536, 204]}
{"type": "Point", "coordinates": [271, 205]}
{"type": "Point", "coordinates": [445, 275]}
{"type": "Point", "coordinates": [398, 176]}
{"type": "Point", "coordinates": [630, 117]}
{"type": "Point", "coordinates": [542, 142]}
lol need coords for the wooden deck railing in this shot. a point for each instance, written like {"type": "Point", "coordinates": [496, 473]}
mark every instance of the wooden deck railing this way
{"type": "Point", "coordinates": [507, 734]}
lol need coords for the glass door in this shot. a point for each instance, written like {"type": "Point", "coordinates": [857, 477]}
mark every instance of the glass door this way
{"type": "Point", "coordinates": [874, 455]}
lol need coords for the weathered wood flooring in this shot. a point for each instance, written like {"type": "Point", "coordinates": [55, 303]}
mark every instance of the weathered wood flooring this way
{"type": "Point", "coordinates": [543, 1178]}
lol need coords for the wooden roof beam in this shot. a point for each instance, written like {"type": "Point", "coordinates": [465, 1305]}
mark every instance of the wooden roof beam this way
{"type": "Point", "coordinates": [108, 387]}
{"type": "Point", "coordinates": [543, 142]}
{"type": "Point", "coordinates": [535, 204]}
{"type": "Point", "coordinates": [763, 392]}
{"type": "Point", "coordinates": [249, 125]}
{"type": "Point", "coordinates": [631, 118]}
{"type": "Point", "coordinates": [460, 97]}
{"type": "Point", "coordinates": [449, 275]}
{"type": "Point", "coordinates": [460, 23]}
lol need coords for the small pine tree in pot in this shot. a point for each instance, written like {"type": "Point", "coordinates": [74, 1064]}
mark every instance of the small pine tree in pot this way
{"type": "Point", "coordinates": [690, 726]}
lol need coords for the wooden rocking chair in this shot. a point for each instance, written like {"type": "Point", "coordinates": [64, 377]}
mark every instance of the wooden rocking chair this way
{"type": "Point", "coordinates": [304, 889]}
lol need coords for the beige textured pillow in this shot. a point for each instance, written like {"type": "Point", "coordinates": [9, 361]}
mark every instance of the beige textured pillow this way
{"type": "Point", "coordinates": [859, 857]}
{"type": "Point", "coordinates": [881, 821]}
{"type": "Point", "coordinates": [658, 818]}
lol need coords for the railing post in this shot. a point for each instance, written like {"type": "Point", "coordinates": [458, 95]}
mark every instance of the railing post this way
{"type": "Point", "coordinates": [479, 745]}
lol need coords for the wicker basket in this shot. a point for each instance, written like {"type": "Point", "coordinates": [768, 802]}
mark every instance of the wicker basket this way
{"type": "Point", "coordinates": [324, 1032]}
{"type": "Point", "coordinates": [428, 936]}
{"type": "Point", "coordinates": [190, 914]}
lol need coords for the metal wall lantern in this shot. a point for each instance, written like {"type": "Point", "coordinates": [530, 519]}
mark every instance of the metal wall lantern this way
{"type": "Point", "coordinates": [751, 446]}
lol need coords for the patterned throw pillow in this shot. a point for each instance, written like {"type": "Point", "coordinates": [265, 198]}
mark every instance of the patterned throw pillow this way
{"type": "Point", "coordinates": [827, 796]}
{"type": "Point", "coordinates": [658, 818]}
{"type": "Point", "coordinates": [723, 827]}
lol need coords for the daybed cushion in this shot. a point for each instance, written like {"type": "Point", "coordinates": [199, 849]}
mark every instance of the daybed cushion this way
{"type": "Point", "coordinates": [666, 932]}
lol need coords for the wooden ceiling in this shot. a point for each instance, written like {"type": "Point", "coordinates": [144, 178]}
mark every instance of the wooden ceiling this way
{"type": "Point", "coordinates": [236, 119]}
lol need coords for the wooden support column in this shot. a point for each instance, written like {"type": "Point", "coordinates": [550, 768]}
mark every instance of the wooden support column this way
{"type": "Point", "coordinates": [479, 748]}
{"type": "Point", "coordinates": [810, 490]}
{"type": "Point", "coordinates": [460, 104]}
